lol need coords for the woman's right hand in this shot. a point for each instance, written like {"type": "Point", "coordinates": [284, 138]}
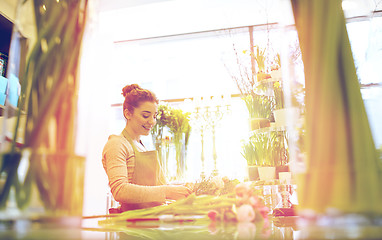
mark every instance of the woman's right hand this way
{"type": "Point", "coordinates": [176, 192]}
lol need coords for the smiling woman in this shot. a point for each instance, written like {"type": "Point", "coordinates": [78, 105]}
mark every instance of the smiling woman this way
{"type": "Point", "coordinates": [135, 176]}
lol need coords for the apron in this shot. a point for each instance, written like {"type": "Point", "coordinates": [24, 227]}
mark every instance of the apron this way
{"type": "Point", "coordinates": [147, 172]}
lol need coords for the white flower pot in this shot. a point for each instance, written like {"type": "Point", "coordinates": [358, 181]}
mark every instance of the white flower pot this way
{"type": "Point", "coordinates": [285, 177]}
{"type": "Point", "coordinates": [267, 173]}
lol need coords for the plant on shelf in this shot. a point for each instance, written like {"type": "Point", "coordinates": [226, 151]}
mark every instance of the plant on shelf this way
{"type": "Point", "coordinates": [260, 56]}
{"type": "Point", "coordinates": [262, 141]}
{"type": "Point", "coordinates": [260, 109]}
{"type": "Point", "coordinates": [259, 106]}
{"type": "Point", "coordinates": [249, 154]}
{"type": "Point", "coordinates": [259, 101]}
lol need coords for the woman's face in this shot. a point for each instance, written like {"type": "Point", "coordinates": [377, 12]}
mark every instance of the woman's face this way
{"type": "Point", "coordinates": [142, 120]}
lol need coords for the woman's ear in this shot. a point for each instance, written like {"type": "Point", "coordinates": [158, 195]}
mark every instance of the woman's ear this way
{"type": "Point", "coordinates": [127, 114]}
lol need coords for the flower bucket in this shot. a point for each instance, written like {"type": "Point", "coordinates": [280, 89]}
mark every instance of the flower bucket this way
{"type": "Point", "coordinates": [267, 173]}
{"type": "Point", "coordinates": [253, 173]}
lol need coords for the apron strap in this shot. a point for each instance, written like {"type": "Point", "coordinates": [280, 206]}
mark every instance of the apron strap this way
{"type": "Point", "coordinates": [124, 133]}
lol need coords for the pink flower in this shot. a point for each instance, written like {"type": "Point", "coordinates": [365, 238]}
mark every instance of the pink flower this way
{"type": "Point", "coordinates": [245, 213]}
{"type": "Point", "coordinates": [242, 190]}
{"type": "Point", "coordinates": [212, 215]}
{"type": "Point", "coordinates": [264, 212]}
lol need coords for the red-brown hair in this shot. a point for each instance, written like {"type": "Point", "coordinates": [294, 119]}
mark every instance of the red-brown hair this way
{"type": "Point", "coordinates": [135, 95]}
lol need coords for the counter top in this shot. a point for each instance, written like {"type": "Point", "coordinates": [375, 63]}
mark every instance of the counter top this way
{"type": "Point", "coordinates": [277, 228]}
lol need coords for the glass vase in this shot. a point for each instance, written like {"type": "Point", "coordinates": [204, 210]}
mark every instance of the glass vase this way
{"type": "Point", "coordinates": [42, 185]}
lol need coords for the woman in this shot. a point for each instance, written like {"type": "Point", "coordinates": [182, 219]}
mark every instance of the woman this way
{"type": "Point", "coordinates": [135, 177]}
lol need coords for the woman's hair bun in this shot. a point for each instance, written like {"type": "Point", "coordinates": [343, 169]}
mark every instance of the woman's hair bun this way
{"type": "Point", "coordinates": [128, 88]}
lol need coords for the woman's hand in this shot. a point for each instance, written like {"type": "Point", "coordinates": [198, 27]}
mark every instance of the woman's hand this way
{"type": "Point", "coordinates": [176, 192]}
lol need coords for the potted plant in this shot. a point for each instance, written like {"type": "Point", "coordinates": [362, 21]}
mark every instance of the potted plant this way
{"type": "Point", "coordinates": [260, 110]}
{"type": "Point", "coordinates": [276, 68]}
{"type": "Point", "coordinates": [260, 57]}
{"type": "Point", "coordinates": [249, 154]}
{"type": "Point", "coordinates": [262, 142]}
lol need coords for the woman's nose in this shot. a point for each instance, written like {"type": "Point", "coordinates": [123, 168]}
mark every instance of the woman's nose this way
{"type": "Point", "coordinates": [152, 121]}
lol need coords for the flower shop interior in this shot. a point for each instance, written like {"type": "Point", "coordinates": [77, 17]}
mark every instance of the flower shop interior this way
{"type": "Point", "coordinates": [245, 110]}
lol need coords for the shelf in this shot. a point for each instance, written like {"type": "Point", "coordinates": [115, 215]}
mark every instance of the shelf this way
{"type": "Point", "coordinates": [272, 128]}
{"type": "Point", "coordinates": [12, 110]}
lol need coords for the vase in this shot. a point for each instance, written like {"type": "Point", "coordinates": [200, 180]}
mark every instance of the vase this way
{"type": "Point", "coordinates": [45, 176]}
{"type": "Point", "coordinates": [180, 156]}
{"type": "Point", "coordinates": [41, 185]}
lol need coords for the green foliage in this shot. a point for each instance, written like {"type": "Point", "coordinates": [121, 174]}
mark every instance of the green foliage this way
{"type": "Point", "coordinates": [175, 120]}
{"type": "Point", "coordinates": [248, 152]}
{"type": "Point", "coordinates": [163, 119]}
{"type": "Point", "coordinates": [178, 124]}
{"type": "Point", "coordinates": [270, 148]}
{"type": "Point", "coordinates": [49, 91]}
{"type": "Point", "coordinates": [259, 106]}
{"type": "Point", "coordinates": [263, 147]}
